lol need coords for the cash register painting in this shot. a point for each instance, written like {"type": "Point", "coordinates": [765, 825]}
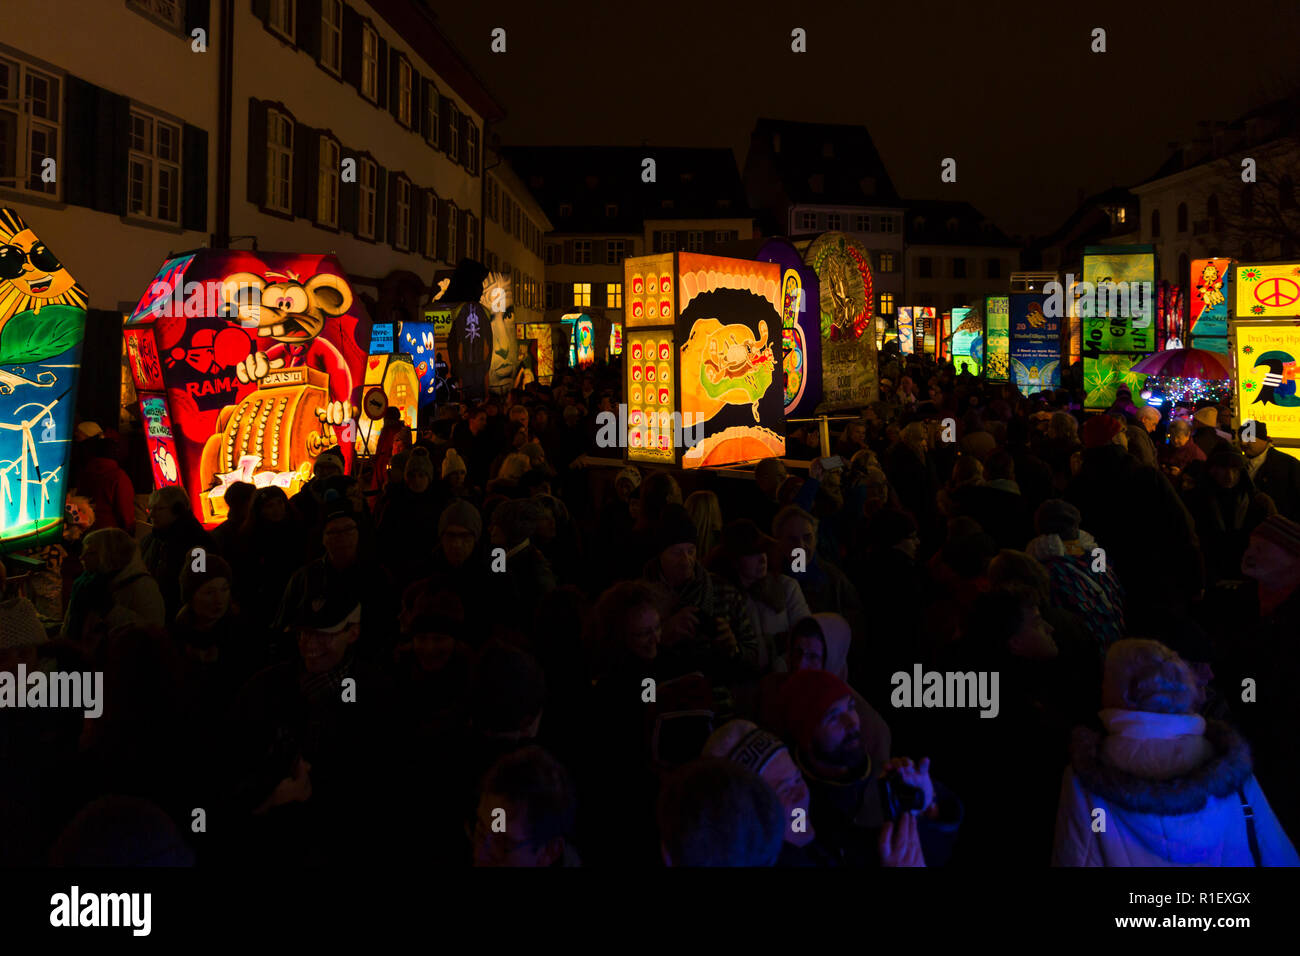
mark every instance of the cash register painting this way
{"type": "Point", "coordinates": [257, 362]}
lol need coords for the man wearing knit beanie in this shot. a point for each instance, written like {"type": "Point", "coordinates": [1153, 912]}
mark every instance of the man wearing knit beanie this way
{"type": "Point", "coordinates": [821, 723]}
{"type": "Point", "coordinates": [459, 528]}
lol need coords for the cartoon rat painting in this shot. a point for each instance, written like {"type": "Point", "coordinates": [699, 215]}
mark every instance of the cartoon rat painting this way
{"type": "Point", "coordinates": [289, 316]}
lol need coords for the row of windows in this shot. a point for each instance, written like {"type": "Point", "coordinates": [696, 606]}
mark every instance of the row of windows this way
{"type": "Point", "coordinates": [831, 221]}
{"type": "Point", "coordinates": [692, 240]}
{"type": "Point", "coordinates": [412, 205]}
{"type": "Point", "coordinates": [1213, 221]}
{"type": "Point", "coordinates": [439, 113]}
{"type": "Point", "coordinates": [959, 269]}
{"type": "Point", "coordinates": [31, 132]}
{"type": "Point", "coordinates": [583, 252]}
{"type": "Point", "coordinates": [585, 295]}
{"type": "Point", "coordinates": [502, 208]}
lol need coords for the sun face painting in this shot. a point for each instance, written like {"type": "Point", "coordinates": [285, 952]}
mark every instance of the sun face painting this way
{"type": "Point", "coordinates": [31, 276]}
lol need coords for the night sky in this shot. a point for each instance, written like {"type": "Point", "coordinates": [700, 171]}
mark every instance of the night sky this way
{"type": "Point", "coordinates": [1011, 90]}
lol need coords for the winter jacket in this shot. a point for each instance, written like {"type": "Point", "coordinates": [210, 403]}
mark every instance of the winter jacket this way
{"type": "Point", "coordinates": [1278, 476]}
{"type": "Point", "coordinates": [1095, 595]}
{"type": "Point", "coordinates": [1172, 788]}
{"type": "Point", "coordinates": [773, 623]}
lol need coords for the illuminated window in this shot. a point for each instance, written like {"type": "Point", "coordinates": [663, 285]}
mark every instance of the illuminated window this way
{"type": "Point", "coordinates": [862, 223]}
{"type": "Point", "coordinates": [582, 253]}
{"type": "Point", "coordinates": [369, 63]}
{"type": "Point", "coordinates": [368, 180]}
{"type": "Point", "coordinates": [695, 241]}
{"type": "Point", "coordinates": [402, 226]}
{"type": "Point", "coordinates": [807, 220]}
{"type": "Point", "coordinates": [431, 106]}
{"type": "Point", "coordinates": [582, 294]}
{"type": "Point", "coordinates": [615, 252]}
{"type": "Point", "coordinates": [404, 92]}
{"type": "Point", "coordinates": [614, 295]}
{"type": "Point", "coordinates": [833, 220]}
{"type": "Point", "coordinates": [30, 127]}
{"type": "Point", "coordinates": [279, 161]}
{"type": "Point", "coordinates": [886, 303]}
{"type": "Point", "coordinates": [327, 183]}
{"type": "Point", "coordinates": [331, 35]}
{"type": "Point", "coordinates": [886, 262]}
{"type": "Point", "coordinates": [431, 225]}
{"type": "Point", "coordinates": [280, 18]}
{"type": "Point", "coordinates": [1121, 214]}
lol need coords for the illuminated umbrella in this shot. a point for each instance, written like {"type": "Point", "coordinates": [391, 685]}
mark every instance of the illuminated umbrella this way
{"type": "Point", "coordinates": [1183, 363]}
{"type": "Point", "coordinates": [1184, 375]}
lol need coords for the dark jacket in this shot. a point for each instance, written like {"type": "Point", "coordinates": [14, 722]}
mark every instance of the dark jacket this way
{"type": "Point", "coordinates": [1279, 478]}
{"type": "Point", "coordinates": [167, 551]}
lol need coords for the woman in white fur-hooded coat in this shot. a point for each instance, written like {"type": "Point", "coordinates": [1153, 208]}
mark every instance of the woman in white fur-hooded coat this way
{"type": "Point", "coordinates": [1176, 789]}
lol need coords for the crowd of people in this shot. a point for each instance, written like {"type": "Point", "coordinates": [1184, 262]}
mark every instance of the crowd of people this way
{"type": "Point", "coordinates": [488, 645]}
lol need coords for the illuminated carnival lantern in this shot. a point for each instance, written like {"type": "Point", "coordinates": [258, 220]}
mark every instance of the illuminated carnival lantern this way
{"type": "Point", "coordinates": [42, 325]}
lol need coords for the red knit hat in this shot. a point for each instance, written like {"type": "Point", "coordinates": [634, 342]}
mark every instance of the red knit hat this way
{"type": "Point", "coordinates": [1100, 430]}
{"type": "Point", "coordinates": [805, 697]}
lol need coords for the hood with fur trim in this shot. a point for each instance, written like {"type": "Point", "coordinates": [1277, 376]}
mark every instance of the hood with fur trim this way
{"type": "Point", "coordinates": [1220, 776]}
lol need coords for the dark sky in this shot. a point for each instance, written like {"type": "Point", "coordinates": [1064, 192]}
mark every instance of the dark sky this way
{"type": "Point", "coordinates": [1009, 89]}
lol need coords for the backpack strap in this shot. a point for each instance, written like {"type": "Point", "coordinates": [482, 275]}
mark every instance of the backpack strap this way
{"type": "Point", "coordinates": [1251, 836]}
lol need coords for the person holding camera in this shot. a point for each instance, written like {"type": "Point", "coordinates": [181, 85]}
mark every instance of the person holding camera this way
{"type": "Point", "coordinates": [855, 805]}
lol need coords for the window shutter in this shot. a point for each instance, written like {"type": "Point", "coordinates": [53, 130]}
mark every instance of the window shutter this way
{"type": "Point", "coordinates": [382, 74]}
{"type": "Point", "coordinates": [394, 65]}
{"type": "Point", "coordinates": [311, 206]}
{"type": "Point", "coordinates": [196, 17]}
{"type": "Point", "coordinates": [257, 152]}
{"type": "Point", "coordinates": [568, 252]}
{"type": "Point", "coordinates": [415, 220]}
{"type": "Point", "coordinates": [426, 91]}
{"type": "Point", "coordinates": [113, 121]}
{"type": "Point", "coordinates": [390, 233]}
{"type": "Point", "coordinates": [309, 26]}
{"type": "Point", "coordinates": [444, 220]}
{"type": "Point", "coordinates": [381, 203]}
{"type": "Point", "coordinates": [417, 101]}
{"type": "Point", "coordinates": [463, 159]}
{"type": "Point", "coordinates": [81, 102]}
{"type": "Point", "coordinates": [351, 46]}
{"type": "Point", "coordinates": [194, 189]}
{"type": "Point", "coordinates": [462, 234]}
{"type": "Point", "coordinates": [598, 249]}
{"type": "Point", "coordinates": [444, 121]}
{"type": "Point", "coordinates": [302, 139]}
{"type": "Point", "coordinates": [349, 196]}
